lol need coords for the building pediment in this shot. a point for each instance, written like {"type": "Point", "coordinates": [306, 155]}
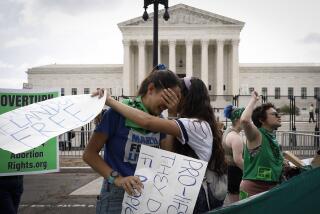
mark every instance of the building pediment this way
{"type": "Point", "coordinates": [181, 14]}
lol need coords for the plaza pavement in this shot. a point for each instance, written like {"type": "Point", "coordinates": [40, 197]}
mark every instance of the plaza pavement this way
{"type": "Point", "coordinates": [74, 164]}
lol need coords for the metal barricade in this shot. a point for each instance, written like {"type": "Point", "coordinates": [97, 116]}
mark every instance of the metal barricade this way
{"type": "Point", "coordinates": [73, 145]}
{"type": "Point", "coordinates": [303, 145]}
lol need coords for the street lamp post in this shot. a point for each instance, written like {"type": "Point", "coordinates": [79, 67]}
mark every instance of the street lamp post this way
{"type": "Point", "coordinates": [155, 23]}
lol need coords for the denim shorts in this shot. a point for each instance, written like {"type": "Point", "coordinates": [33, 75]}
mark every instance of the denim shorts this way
{"type": "Point", "coordinates": [110, 199]}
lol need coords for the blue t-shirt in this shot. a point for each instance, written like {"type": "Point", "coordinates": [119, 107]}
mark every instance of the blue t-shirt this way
{"type": "Point", "coordinates": [122, 148]}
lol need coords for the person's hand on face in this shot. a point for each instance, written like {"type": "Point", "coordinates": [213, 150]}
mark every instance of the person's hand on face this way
{"type": "Point", "coordinates": [171, 100]}
{"type": "Point", "coordinates": [131, 184]}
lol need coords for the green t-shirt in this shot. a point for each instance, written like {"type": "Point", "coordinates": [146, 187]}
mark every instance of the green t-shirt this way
{"type": "Point", "coordinates": [266, 163]}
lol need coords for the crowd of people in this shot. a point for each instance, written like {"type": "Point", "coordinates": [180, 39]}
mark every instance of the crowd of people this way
{"type": "Point", "coordinates": [191, 129]}
{"type": "Point", "coordinates": [249, 166]}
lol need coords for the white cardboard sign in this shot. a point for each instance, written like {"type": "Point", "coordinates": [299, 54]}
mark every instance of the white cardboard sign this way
{"type": "Point", "coordinates": [171, 183]}
{"type": "Point", "coordinates": [28, 127]}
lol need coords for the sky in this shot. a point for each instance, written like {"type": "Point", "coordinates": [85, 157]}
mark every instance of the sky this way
{"type": "Point", "coordinates": [42, 32]}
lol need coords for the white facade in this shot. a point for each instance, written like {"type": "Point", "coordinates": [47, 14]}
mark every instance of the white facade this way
{"type": "Point", "coordinates": [282, 76]}
{"type": "Point", "coordinates": [192, 42]}
{"type": "Point", "coordinates": [79, 77]}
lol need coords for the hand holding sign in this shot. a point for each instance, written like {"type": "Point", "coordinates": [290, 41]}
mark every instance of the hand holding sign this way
{"type": "Point", "coordinates": [171, 183]}
{"type": "Point", "coordinates": [30, 126]}
{"type": "Point", "coordinates": [131, 184]}
{"type": "Point", "coordinates": [100, 93]}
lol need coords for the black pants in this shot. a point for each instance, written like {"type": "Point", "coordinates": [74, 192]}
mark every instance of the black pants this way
{"type": "Point", "coordinates": [234, 179]}
{"type": "Point", "coordinates": [311, 117]}
{"type": "Point", "coordinates": [11, 188]}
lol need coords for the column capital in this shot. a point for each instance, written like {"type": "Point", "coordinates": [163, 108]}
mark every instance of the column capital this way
{"type": "Point", "coordinates": [189, 42]}
{"type": "Point", "coordinates": [141, 42]}
{"type": "Point", "coordinates": [126, 42]}
{"type": "Point", "coordinates": [220, 41]}
{"type": "Point", "coordinates": [204, 41]}
{"type": "Point", "coordinates": [235, 41]}
{"type": "Point", "coordinates": [172, 41]}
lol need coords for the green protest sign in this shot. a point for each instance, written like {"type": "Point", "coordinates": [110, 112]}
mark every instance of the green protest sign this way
{"type": "Point", "coordinates": [42, 159]}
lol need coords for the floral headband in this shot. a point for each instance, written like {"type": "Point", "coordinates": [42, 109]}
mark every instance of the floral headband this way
{"type": "Point", "coordinates": [160, 67]}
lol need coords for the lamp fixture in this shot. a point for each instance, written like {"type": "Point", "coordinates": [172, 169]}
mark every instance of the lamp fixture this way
{"type": "Point", "coordinates": [180, 63]}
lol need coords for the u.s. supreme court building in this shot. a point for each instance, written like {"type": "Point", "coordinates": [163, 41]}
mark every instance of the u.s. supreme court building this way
{"type": "Point", "coordinates": [193, 42]}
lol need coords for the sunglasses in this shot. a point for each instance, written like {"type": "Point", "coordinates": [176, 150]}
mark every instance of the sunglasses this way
{"type": "Point", "coordinates": [276, 114]}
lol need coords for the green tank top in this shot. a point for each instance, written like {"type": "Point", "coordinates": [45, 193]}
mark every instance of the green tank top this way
{"type": "Point", "coordinates": [266, 163]}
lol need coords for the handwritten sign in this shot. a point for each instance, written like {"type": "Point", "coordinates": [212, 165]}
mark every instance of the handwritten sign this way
{"type": "Point", "coordinates": [171, 183]}
{"type": "Point", "coordinates": [28, 127]}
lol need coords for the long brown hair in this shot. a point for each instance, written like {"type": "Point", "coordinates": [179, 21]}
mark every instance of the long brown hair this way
{"type": "Point", "coordinates": [196, 104]}
{"type": "Point", "coordinates": [161, 79]}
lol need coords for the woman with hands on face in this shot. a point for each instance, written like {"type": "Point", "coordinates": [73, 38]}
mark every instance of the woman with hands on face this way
{"type": "Point", "coordinates": [195, 132]}
{"type": "Point", "coordinates": [119, 135]}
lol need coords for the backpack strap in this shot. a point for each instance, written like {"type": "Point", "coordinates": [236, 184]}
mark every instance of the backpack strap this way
{"type": "Point", "coordinates": [188, 151]}
{"type": "Point", "coordinates": [205, 187]}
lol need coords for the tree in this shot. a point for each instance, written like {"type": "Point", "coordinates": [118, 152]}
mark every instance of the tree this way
{"type": "Point", "coordinates": [285, 109]}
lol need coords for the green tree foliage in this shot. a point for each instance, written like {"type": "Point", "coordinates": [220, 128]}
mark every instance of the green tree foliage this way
{"type": "Point", "coordinates": [285, 109]}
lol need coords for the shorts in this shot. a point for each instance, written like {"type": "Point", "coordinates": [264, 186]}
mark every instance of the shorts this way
{"type": "Point", "coordinates": [249, 188]}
